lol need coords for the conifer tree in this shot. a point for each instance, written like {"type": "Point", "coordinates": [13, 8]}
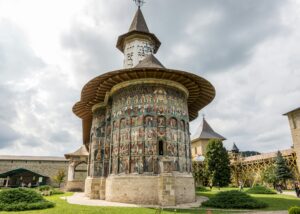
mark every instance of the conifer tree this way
{"type": "Point", "coordinates": [217, 163]}
{"type": "Point", "coordinates": [282, 171]}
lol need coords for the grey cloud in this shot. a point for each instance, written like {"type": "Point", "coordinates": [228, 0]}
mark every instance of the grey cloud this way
{"type": "Point", "coordinates": [17, 59]}
{"type": "Point", "coordinates": [219, 43]}
{"type": "Point", "coordinates": [7, 135]}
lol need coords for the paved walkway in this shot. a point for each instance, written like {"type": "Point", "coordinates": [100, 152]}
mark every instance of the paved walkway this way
{"type": "Point", "coordinates": [267, 212]}
{"type": "Point", "coordinates": [80, 198]}
{"type": "Point", "coordinates": [292, 193]}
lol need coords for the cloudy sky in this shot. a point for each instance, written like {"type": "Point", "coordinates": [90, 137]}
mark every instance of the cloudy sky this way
{"type": "Point", "coordinates": [49, 49]}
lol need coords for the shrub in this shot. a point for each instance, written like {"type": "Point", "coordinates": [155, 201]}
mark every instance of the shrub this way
{"type": "Point", "coordinates": [48, 190]}
{"type": "Point", "coordinates": [294, 210]}
{"type": "Point", "coordinates": [260, 190]}
{"type": "Point", "coordinates": [57, 191]}
{"type": "Point", "coordinates": [44, 188]}
{"type": "Point", "coordinates": [22, 199]}
{"type": "Point", "coordinates": [233, 199]}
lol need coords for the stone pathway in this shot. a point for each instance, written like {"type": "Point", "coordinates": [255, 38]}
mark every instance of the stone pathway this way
{"type": "Point", "coordinates": [289, 193]}
{"type": "Point", "coordinates": [80, 198]}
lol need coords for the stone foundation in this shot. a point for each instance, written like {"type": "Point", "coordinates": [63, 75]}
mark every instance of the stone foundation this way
{"type": "Point", "coordinates": [167, 189]}
{"type": "Point", "coordinates": [95, 188]}
{"type": "Point", "coordinates": [75, 186]}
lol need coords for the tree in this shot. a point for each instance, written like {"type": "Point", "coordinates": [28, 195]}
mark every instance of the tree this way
{"type": "Point", "coordinates": [269, 175]}
{"type": "Point", "coordinates": [59, 177]}
{"type": "Point", "coordinates": [199, 173]}
{"type": "Point", "coordinates": [282, 171]}
{"type": "Point", "coordinates": [217, 163]}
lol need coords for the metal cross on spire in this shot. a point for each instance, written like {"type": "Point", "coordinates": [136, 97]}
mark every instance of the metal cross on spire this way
{"type": "Point", "coordinates": [139, 3]}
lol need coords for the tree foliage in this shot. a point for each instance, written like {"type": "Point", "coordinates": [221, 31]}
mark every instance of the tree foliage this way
{"type": "Point", "coordinates": [59, 177]}
{"type": "Point", "coordinates": [282, 171]}
{"type": "Point", "coordinates": [200, 174]}
{"type": "Point", "coordinates": [217, 163]}
{"type": "Point", "coordinates": [269, 175]}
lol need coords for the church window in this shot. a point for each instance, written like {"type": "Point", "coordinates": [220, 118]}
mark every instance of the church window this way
{"type": "Point", "coordinates": [161, 147]}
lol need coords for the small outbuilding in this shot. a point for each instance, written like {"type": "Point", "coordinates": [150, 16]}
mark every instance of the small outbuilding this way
{"type": "Point", "coordinates": [22, 178]}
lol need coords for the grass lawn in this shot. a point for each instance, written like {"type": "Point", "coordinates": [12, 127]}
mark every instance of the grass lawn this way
{"type": "Point", "coordinates": [62, 207]}
{"type": "Point", "coordinates": [274, 201]}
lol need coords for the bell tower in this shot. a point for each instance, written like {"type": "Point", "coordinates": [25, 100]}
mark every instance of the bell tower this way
{"type": "Point", "coordinates": [138, 42]}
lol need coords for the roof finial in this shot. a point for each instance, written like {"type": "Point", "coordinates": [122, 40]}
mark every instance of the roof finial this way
{"type": "Point", "coordinates": [203, 115]}
{"type": "Point", "coordinates": [139, 3]}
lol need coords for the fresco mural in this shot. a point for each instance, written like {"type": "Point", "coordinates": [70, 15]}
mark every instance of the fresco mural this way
{"type": "Point", "coordinates": [144, 124]}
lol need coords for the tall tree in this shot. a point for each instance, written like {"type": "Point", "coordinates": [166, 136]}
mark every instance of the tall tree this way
{"type": "Point", "coordinates": [282, 171]}
{"type": "Point", "coordinates": [269, 175]}
{"type": "Point", "coordinates": [217, 163]}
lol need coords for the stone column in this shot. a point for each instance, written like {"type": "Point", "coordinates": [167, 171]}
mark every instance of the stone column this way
{"type": "Point", "coordinates": [7, 181]}
{"type": "Point", "coordinates": [71, 171]}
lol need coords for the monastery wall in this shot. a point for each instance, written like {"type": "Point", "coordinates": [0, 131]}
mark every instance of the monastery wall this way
{"type": "Point", "coordinates": [46, 168]}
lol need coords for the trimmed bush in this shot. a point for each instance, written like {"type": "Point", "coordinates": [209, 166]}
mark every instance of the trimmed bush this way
{"type": "Point", "coordinates": [294, 210]}
{"type": "Point", "coordinates": [233, 199]}
{"type": "Point", "coordinates": [22, 199]}
{"type": "Point", "coordinates": [260, 190]}
{"type": "Point", "coordinates": [44, 188]}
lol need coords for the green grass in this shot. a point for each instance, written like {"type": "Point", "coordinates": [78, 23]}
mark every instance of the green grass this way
{"type": "Point", "coordinates": [65, 208]}
{"type": "Point", "coordinates": [274, 201]}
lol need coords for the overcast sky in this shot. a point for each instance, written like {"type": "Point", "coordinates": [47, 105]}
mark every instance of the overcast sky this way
{"type": "Point", "coordinates": [249, 50]}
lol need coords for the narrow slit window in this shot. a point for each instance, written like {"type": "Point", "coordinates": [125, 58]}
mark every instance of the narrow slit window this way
{"type": "Point", "coordinates": [161, 147]}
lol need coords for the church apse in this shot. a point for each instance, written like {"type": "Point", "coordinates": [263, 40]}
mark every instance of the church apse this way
{"type": "Point", "coordinates": [136, 125]}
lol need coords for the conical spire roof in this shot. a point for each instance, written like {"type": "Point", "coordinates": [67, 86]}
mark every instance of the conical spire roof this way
{"type": "Point", "coordinates": [235, 148]}
{"type": "Point", "coordinates": [138, 23]}
{"type": "Point", "coordinates": [150, 61]}
{"type": "Point", "coordinates": [206, 132]}
{"type": "Point", "coordinates": [138, 26]}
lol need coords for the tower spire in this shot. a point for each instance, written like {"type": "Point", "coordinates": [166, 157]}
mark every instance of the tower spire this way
{"type": "Point", "coordinates": [138, 42]}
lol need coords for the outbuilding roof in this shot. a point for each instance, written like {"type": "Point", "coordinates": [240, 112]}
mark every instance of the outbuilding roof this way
{"type": "Point", "coordinates": [78, 153]}
{"type": "Point", "coordinates": [296, 109]}
{"type": "Point", "coordinates": [18, 171]}
{"type": "Point", "coordinates": [235, 148]}
{"type": "Point", "coordinates": [206, 132]}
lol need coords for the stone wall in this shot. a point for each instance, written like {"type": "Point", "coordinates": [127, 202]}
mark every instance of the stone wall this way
{"type": "Point", "coordinates": [167, 189]}
{"type": "Point", "coordinates": [45, 168]}
{"type": "Point", "coordinates": [75, 186]}
{"type": "Point", "coordinates": [132, 189]}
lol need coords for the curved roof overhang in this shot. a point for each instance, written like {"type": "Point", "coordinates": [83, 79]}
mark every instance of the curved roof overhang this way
{"type": "Point", "coordinates": [201, 91]}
